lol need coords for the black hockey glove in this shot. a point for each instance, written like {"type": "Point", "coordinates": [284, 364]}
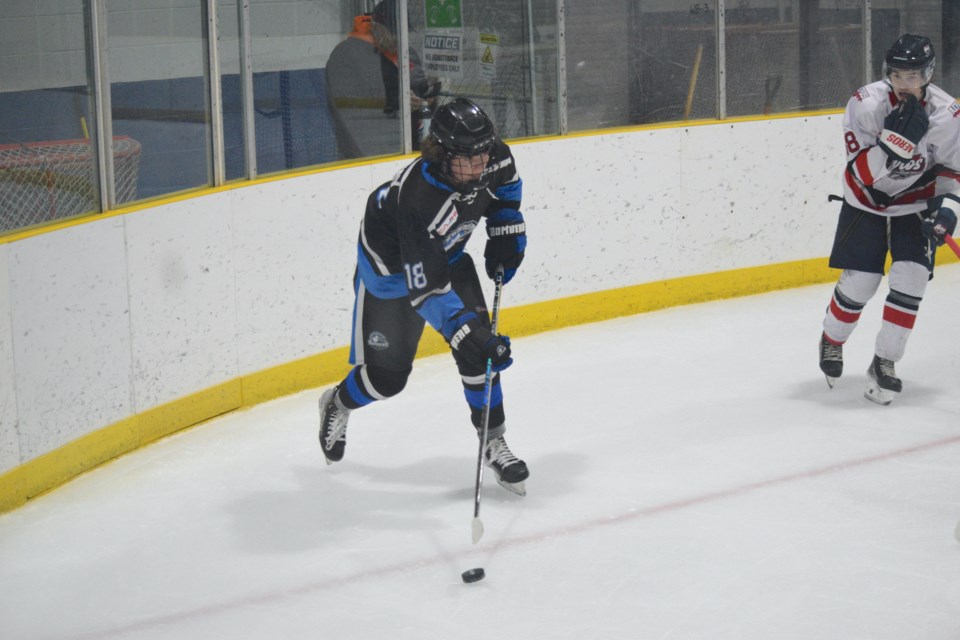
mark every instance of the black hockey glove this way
{"type": "Point", "coordinates": [944, 223]}
{"type": "Point", "coordinates": [903, 128]}
{"type": "Point", "coordinates": [507, 233]}
{"type": "Point", "coordinates": [475, 343]}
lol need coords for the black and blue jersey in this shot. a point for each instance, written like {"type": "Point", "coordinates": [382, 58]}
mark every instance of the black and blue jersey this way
{"type": "Point", "coordinates": [416, 226]}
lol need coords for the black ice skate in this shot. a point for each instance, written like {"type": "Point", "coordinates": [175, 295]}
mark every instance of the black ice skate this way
{"type": "Point", "coordinates": [831, 359]}
{"type": "Point", "coordinates": [511, 471]}
{"type": "Point", "coordinates": [333, 426]}
{"type": "Point", "coordinates": [884, 385]}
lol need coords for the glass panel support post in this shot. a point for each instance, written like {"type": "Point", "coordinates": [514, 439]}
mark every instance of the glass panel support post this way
{"type": "Point", "coordinates": [561, 69]}
{"type": "Point", "coordinates": [246, 89]}
{"type": "Point", "coordinates": [532, 61]}
{"type": "Point", "coordinates": [721, 60]}
{"type": "Point", "coordinates": [403, 59]}
{"type": "Point", "coordinates": [867, 44]}
{"type": "Point", "coordinates": [101, 89]}
{"type": "Point", "coordinates": [214, 95]}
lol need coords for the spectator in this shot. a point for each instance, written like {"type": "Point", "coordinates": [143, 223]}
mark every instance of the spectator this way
{"type": "Point", "coordinates": [363, 87]}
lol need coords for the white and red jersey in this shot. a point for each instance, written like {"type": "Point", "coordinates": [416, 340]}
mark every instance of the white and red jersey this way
{"type": "Point", "coordinates": [876, 183]}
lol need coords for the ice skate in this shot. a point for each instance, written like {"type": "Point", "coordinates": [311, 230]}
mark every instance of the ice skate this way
{"type": "Point", "coordinates": [511, 471]}
{"type": "Point", "coordinates": [884, 385]}
{"type": "Point", "coordinates": [333, 426]}
{"type": "Point", "coordinates": [831, 359]}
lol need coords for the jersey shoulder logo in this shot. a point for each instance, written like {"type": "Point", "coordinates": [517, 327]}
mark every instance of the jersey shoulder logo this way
{"type": "Point", "coordinates": [860, 94]}
{"type": "Point", "coordinates": [382, 196]}
{"type": "Point", "coordinates": [955, 108]}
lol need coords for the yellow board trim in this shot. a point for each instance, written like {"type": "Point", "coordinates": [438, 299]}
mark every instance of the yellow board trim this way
{"type": "Point", "coordinates": [52, 469]}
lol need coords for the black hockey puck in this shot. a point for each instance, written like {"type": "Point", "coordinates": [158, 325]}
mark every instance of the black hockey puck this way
{"type": "Point", "coordinates": [473, 575]}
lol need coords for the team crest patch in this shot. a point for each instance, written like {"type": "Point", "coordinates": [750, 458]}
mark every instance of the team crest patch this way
{"type": "Point", "coordinates": [955, 108]}
{"type": "Point", "coordinates": [916, 164]}
{"type": "Point", "coordinates": [460, 232]}
{"type": "Point", "coordinates": [378, 341]}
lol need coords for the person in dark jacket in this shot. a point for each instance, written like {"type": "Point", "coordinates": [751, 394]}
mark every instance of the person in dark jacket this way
{"type": "Point", "coordinates": [363, 88]}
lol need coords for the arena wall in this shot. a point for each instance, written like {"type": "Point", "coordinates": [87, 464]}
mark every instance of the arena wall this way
{"type": "Point", "coordinates": [119, 329]}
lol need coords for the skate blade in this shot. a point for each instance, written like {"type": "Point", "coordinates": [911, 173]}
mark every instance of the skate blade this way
{"type": "Point", "coordinates": [519, 488]}
{"type": "Point", "coordinates": [830, 381]}
{"type": "Point", "coordinates": [874, 393]}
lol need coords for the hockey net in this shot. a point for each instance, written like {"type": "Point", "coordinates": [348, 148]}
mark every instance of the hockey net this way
{"type": "Point", "coordinates": [52, 180]}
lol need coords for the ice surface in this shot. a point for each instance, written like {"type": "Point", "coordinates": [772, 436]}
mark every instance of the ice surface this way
{"type": "Point", "coordinates": [692, 477]}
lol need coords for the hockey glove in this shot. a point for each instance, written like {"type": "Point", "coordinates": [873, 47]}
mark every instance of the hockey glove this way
{"type": "Point", "coordinates": [940, 225]}
{"type": "Point", "coordinates": [903, 128]}
{"type": "Point", "coordinates": [507, 240]}
{"type": "Point", "coordinates": [475, 343]}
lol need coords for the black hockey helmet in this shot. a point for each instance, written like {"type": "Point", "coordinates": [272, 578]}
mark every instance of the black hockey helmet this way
{"type": "Point", "coordinates": [911, 52]}
{"type": "Point", "coordinates": [462, 130]}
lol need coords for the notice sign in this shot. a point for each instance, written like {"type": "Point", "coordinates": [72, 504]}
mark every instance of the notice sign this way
{"type": "Point", "coordinates": [489, 54]}
{"type": "Point", "coordinates": [443, 54]}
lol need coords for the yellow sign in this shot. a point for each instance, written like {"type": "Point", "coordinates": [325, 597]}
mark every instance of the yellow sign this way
{"type": "Point", "coordinates": [489, 48]}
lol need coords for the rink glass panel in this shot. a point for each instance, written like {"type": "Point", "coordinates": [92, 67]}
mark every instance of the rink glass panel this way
{"type": "Point", "coordinates": [48, 155]}
{"type": "Point", "coordinates": [627, 62]}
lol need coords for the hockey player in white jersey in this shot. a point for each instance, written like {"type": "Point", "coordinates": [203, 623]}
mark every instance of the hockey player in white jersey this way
{"type": "Point", "coordinates": [901, 196]}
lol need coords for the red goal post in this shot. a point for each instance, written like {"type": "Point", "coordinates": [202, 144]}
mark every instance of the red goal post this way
{"type": "Point", "coordinates": [51, 180]}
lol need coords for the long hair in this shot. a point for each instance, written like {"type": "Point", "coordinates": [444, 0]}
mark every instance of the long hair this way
{"type": "Point", "coordinates": [431, 151]}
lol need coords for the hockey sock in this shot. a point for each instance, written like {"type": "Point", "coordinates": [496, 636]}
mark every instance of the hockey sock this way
{"type": "Point", "coordinates": [473, 390]}
{"type": "Point", "coordinates": [845, 308]}
{"type": "Point", "coordinates": [365, 384]}
{"type": "Point", "coordinates": [908, 282]}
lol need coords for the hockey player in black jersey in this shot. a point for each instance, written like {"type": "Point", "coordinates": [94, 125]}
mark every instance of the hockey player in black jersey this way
{"type": "Point", "coordinates": [412, 269]}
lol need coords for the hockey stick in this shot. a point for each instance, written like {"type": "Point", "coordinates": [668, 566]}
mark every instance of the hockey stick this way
{"type": "Point", "coordinates": [476, 526]}
{"type": "Point", "coordinates": [953, 244]}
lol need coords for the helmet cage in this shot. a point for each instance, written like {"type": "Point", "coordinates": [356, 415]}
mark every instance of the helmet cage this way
{"type": "Point", "coordinates": [463, 131]}
{"type": "Point", "coordinates": [461, 163]}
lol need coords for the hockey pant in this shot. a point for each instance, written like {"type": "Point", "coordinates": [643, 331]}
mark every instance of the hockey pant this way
{"type": "Point", "coordinates": [386, 333]}
{"type": "Point", "coordinates": [860, 249]}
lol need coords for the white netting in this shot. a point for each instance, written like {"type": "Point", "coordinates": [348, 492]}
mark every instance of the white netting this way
{"type": "Point", "coordinates": [44, 181]}
{"type": "Point", "coordinates": [507, 93]}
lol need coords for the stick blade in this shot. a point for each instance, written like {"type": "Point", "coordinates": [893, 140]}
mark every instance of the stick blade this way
{"type": "Point", "coordinates": [477, 529]}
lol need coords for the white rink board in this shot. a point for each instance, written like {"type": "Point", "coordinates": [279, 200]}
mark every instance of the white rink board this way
{"type": "Point", "coordinates": [616, 210]}
{"type": "Point", "coordinates": [122, 314]}
{"type": "Point", "coordinates": [296, 250]}
{"type": "Point", "coordinates": [9, 441]}
{"type": "Point", "coordinates": [71, 329]}
{"type": "Point", "coordinates": [182, 300]}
